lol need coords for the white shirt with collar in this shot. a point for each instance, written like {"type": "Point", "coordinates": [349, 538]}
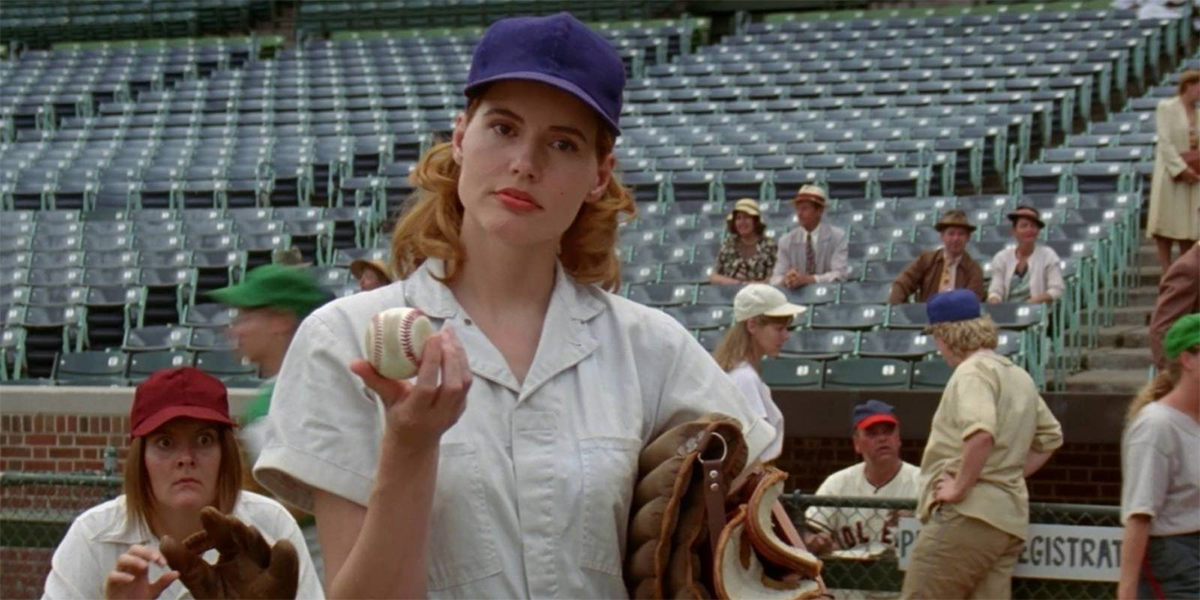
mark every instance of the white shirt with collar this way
{"type": "Point", "coordinates": [1043, 270]}
{"type": "Point", "coordinates": [89, 550]}
{"type": "Point", "coordinates": [759, 396]}
{"type": "Point", "coordinates": [535, 481]}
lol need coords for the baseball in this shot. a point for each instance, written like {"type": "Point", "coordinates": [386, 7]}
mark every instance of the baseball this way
{"type": "Point", "coordinates": [395, 340]}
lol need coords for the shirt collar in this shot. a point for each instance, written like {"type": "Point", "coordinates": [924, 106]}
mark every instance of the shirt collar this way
{"type": "Point", "coordinates": [953, 263]}
{"type": "Point", "coordinates": [123, 530]}
{"type": "Point", "coordinates": [434, 298]}
{"type": "Point", "coordinates": [815, 233]}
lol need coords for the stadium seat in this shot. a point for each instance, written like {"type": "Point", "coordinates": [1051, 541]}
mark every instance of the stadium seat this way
{"type": "Point", "coordinates": [907, 316]}
{"type": "Point", "coordinates": [932, 374]}
{"type": "Point", "coordinates": [225, 364]}
{"type": "Point", "coordinates": [700, 317]}
{"type": "Point", "coordinates": [91, 368]}
{"type": "Point", "coordinates": [847, 316]}
{"type": "Point", "coordinates": [792, 373]}
{"type": "Point", "coordinates": [155, 338]}
{"type": "Point", "coordinates": [145, 364]}
{"type": "Point", "coordinates": [820, 344]}
{"type": "Point", "coordinates": [906, 344]}
{"type": "Point", "coordinates": [867, 373]}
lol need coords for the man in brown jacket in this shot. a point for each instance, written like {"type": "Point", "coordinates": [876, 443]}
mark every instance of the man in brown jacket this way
{"type": "Point", "coordinates": [947, 268]}
{"type": "Point", "coordinates": [1178, 295]}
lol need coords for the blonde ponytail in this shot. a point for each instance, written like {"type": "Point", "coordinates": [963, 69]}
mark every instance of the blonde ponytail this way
{"type": "Point", "coordinates": [1156, 388]}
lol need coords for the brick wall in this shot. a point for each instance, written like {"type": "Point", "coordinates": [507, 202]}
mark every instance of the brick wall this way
{"type": "Point", "coordinates": [62, 443]}
{"type": "Point", "coordinates": [24, 572]}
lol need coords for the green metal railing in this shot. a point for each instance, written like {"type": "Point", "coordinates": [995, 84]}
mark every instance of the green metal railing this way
{"type": "Point", "coordinates": [882, 577]}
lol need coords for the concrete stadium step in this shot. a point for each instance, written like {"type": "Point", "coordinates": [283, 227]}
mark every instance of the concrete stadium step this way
{"type": "Point", "coordinates": [1125, 315]}
{"type": "Point", "coordinates": [1108, 381]}
{"type": "Point", "coordinates": [1118, 359]}
{"type": "Point", "coordinates": [1144, 295]}
{"type": "Point", "coordinates": [1123, 336]}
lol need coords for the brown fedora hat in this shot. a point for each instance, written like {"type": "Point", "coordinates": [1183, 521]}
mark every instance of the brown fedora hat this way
{"type": "Point", "coordinates": [954, 218]}
{"type": "Point", "coordinates": [1026, 212]}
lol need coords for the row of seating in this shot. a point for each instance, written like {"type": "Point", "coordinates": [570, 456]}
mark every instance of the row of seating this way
{"type": "Point", "coordinates": [40, 24]}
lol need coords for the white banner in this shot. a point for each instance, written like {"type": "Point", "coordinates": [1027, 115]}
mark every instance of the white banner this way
{"type": "Point", "coordinates": [1051, 551]}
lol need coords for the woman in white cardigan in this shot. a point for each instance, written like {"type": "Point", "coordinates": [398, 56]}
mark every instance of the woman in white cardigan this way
{"type": "Point", "coordinates": [1027, 272]}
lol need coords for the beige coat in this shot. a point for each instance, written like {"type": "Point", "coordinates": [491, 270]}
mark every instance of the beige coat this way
{"type": "Point", "coordinates": [1174, 205]}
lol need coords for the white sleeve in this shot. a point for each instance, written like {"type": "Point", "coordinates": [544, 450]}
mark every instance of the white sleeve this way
{"type": "Point", "coordinates": [826, 516]}
{"type": "Point", "coordinates": [1054, 279]}
{"type": "Point", "coordinates": [74, 570]}
{"type": "Point", "coordinates": [749, 383]}
{"type": "Point", "coordinates": [325, 430]}
{"type": "Point", "coordinates": [996, 289]}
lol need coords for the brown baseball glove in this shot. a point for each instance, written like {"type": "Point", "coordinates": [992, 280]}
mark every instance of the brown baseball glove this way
{"type": "Point", "coordinates": [248, 567]}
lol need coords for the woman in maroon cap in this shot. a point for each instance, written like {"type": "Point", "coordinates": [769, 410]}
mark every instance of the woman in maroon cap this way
{"type": "Point", "coordinates": [183, 457]}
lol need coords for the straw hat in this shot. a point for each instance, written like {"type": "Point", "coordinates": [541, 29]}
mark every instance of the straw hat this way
{"type": "Point", "coordinates": [954, 218]}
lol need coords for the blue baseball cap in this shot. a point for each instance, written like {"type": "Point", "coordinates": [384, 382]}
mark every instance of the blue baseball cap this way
{"type": "Point", "coordinates": [874, 411]}
{"type": "Point", "coordinates": [557, 50]}
{"type": "Point", "coordinates": [952, 306]}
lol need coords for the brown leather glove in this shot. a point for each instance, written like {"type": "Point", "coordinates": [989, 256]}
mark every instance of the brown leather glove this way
{"type": "Point", "coordinates": [248, 567]}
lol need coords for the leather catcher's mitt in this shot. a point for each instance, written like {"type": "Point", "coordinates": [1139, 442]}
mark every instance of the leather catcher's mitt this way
{"type": "Point", "coordinates": [248, 566]}
{"type": "Point", "coordinates": [680, 542]}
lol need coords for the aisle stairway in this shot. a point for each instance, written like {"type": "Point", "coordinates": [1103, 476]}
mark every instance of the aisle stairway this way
{"type": "Point", "coordinates": [1120, 363]}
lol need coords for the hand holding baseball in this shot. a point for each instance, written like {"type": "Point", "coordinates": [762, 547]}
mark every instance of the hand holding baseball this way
{"type": "Point", "coordinates": [419, 413]}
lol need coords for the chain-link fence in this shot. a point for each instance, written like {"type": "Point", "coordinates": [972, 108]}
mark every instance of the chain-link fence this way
{"type": "Point", "coordinates": [865, 562]}
{"type": "Point", "coordinates": [35, 511]}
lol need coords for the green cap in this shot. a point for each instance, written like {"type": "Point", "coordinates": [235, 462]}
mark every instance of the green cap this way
{"type": "Point", "coordinates": [1184, 334]}
{"type": "Point", "coordinates": [285, 287]}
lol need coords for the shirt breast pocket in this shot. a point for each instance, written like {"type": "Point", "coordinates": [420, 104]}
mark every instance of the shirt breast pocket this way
{"type": "Point", "coordinates": [609, 474]}
{"type": "Point", "coordinates": [462, 544]}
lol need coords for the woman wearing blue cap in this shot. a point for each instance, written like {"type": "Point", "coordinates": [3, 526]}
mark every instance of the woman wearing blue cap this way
{"type": "Point", "coordinates": [506, 469]}
{"type": "Point", "coordinates": [991, 430]}
{"type": "Point", "coordinates": [1160, 490]}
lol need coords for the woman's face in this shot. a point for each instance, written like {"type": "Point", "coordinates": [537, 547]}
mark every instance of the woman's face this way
{"type": "Point", "coordinates": [183, 461]}
{"type": "Point", "coordinates": [369, 279]}
{"type": "Point", "coordinates": [769, 336]}
{"type": "Point", "coordinates": [1025, 231]}
{"type": "Point", "coordinates": [528, 158]}
{"type": "Point", "coordinates": [745, 224]}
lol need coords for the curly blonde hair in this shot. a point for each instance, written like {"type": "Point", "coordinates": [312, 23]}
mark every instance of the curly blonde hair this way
{"type": "Point", "coordinates": [965, 337]}
{"type": "Point", "coordinates": [431, 227]}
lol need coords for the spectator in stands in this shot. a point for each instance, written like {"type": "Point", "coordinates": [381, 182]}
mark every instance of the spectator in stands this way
{"type": "Point", "coordinates": [761, 318]}
{"type": "Point", "coordinates": [1160, 491]}
{"type": "Point", "coordinates": [1175, 186]}
{"type": "Point", "coordinates": [1028, 272]}
{"type": "Point", "coordinates": [746, 255]}
{"type": "Point", "coordinates": [370, 274]}
{"type": "Point", "coordinates": [289, 257]}
{"type": "Point", "coordinates": [991, 430]}
{"type": "Point", "coordinates": [1178, 295]}
{"type": "Point", "coordinates": [882, 474]}
{"type": "Point", "coordinates": [947, 268]}
{"type": "Point", "coordinates": [814, 252]}
{"type": "Point", "coordinates": [183, 457]}
{"type": "Point", "coordinates": [511, 473]}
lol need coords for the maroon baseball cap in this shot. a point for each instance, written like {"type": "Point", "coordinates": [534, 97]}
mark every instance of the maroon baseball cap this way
{"type": "Point", "coordinates": [182, 392]}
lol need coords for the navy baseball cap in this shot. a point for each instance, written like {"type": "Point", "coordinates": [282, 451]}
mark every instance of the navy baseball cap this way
{"type": "Point", "coordinates": [952, 306]}
{"type": "Point", "coordinates": [557, 50]}
{"type": "Point", "coordinates": [874, 411]}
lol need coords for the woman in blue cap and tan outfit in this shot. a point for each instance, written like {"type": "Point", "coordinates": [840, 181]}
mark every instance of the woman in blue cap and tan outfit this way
{"type": "Point", "coordinates": [506, 468]}
{"type": "Point", "coordinates": [991, 430]}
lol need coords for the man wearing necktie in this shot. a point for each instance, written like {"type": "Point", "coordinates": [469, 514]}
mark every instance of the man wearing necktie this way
{"type": "Point", "coordinates": [814, 252]}
{"type": "Point", "coordinates": [944, 269]}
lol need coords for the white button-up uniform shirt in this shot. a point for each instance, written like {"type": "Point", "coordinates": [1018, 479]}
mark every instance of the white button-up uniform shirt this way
{"type": "Point", "coordinates": [535, 481]}
{"type": "Point", "coordinates": [89, 550]}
